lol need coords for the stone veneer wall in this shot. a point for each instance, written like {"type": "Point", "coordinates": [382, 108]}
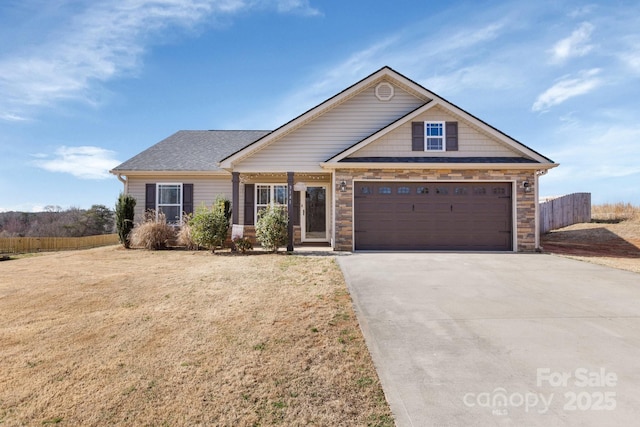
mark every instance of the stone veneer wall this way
{"type": "Point", "coordinates": [525, 204]}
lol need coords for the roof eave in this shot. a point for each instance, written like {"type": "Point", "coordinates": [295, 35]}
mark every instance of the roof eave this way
{"type": "Point", "coordinates": [139, 173]}
{"type": "Point", "coordinates": [374, 165]}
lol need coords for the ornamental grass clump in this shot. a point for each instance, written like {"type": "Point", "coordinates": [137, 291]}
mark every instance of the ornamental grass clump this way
{"type": "Point", "coordinates": [153, 234]}
{"type": "Point", "coordinates": [271, 228]}
{"type": "Point", "coordinates": [185, 236]}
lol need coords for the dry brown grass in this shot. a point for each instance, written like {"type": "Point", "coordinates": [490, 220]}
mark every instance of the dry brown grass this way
{"type": "Point", "coordinates": [153, 233]}
{"type": "Point", "coordinates": [614, 242]}
{"type": "Point", "coordinates": [615, 212]}
{"type": "Point", "coordinates": [110, 336]}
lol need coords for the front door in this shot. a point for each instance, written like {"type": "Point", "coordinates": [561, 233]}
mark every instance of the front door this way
{"type": "Point", "coordinates": [314, 215]}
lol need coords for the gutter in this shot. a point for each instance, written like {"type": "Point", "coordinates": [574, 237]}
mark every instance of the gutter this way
{"type": "Point", "coordinates": [436, 166]}
{"type": "Point", "coordinates": [121, 179]}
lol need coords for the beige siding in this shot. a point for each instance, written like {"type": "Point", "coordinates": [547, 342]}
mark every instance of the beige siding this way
{"type": "Point", "coordinates": [472, 141]}
{"type": "Point", "coordinates": [329, 134]}
{"type": "Point", "coordinates": [205, 190]}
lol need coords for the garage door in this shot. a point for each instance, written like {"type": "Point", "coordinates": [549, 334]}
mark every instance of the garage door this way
{"type": "Point", "coordinates": [433, 216]}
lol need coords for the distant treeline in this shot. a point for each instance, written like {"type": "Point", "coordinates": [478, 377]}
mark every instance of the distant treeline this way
{"type": "Point", "coordinates": [56, 222]}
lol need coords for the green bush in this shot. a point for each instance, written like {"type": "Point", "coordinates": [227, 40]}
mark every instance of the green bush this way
{"type": "Point", "coordinates": [242, 244]}
{"type": "Point", "coordinates": [271, 228]}
{"type": "Point", "coordinates": [209, 227]}
{"type": "Point", "coordinates": [154, 233]}
{"type": "Point", "coordinates": [124, 218]}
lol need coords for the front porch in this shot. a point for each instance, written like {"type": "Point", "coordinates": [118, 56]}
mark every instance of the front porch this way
{"type": "Point", "coordinates": [306, 196]}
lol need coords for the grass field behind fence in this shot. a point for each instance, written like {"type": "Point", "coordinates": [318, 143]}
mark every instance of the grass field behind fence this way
{"type": "Point", "coordinates": [14, 245]}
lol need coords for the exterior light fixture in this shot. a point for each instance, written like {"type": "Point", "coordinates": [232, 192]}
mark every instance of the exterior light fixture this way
{"type": "Point", "coordinates": [343, 186]}
{"type": "Point", "coordinates": [526, 186]}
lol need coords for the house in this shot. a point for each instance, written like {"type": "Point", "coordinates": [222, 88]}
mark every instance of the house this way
{"type": "Point", "coordinates": [385, 164]}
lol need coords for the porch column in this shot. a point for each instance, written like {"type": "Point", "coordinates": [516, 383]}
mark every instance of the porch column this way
{"type": "Point", "coordinates": [235, 197]}
{"type": "Point", "coordinates": [290, 210]}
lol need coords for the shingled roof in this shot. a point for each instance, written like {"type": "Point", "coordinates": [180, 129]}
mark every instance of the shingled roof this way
{"type": "Point", "coordinates": [191, 150]}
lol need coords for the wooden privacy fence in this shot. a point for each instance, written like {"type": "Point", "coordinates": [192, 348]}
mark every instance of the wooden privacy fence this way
{"type": "Point", "coordinates": [38, 244]}
{"type": "Point", "coordinates": [565, 210]}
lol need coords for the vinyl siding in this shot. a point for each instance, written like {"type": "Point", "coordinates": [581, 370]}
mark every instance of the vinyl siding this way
{"type": "Point", "coordinates": [472, 141]}
{"type": "Point", "coordinates": [323, 137]}
{"type": "Point", "coordinates": [205, 190]}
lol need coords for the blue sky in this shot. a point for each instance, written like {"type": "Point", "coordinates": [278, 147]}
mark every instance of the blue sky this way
{"type": "Point", "coordinates": [87, 84]}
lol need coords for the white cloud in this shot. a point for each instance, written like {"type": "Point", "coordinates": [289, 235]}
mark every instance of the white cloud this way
{"type": "Point", "coordinates": [631, 56]}
{"type": "Point", "coordinates": [566, 88]}
{"type": "Point", "coordinates": [85, 162]}
{"type": "Point", "coordinates": [105, 41]}
{"type": "Point", "coordinates": [410, 52]}
{"type": "Point", "coordinates": [297, 6]}
{"type": "Point", "coordinates": [576, 45]}
{"type": "Point", "coordinates": [599, 151]}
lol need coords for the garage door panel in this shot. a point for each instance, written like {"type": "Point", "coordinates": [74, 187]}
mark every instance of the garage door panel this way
{"type": "Point", "coordinates": [433, 216]}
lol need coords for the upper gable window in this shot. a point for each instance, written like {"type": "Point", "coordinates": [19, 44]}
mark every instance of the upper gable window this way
{"type": "Point", "coordinates": [434, 136]}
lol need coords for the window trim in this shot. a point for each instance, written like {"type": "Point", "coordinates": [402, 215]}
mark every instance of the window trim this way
{"type": "Point", "coordinates": [180, 205]}
{"type": "Point", "coordinates": [443, 124]}
{"type": "Point", "coordinates": [272, 186]}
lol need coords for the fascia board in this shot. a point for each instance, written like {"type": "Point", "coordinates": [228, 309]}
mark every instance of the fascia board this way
{"type": "Point", "coordinates": [510, 166]}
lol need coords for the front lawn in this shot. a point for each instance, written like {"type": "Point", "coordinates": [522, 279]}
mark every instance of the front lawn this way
{"type": "Point", "coordinates": [115, 337]}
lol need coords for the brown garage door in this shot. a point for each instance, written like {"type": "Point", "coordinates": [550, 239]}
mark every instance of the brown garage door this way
{"type": "Point", "coordinates": [433, 216]}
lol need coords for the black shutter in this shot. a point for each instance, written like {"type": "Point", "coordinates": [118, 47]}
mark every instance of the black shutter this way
{"type": "Point", "coordinates": [296, 208]}
{"type": "Point", "coordinates": [248, 204]}
{"type": "Point", "coordinates": [150, 198]}
{"type": "Point", "coordinates": [417, 136]}
{"type": "Point", "coordinates": [187, 198]}
{"type": "Point", "coordinates": [451, 129]}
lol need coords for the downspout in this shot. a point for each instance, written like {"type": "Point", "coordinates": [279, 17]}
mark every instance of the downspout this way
{"type": "Point", "coordinates": [124, 181]}
{"type": "Point", "coordinates": [538, 174]}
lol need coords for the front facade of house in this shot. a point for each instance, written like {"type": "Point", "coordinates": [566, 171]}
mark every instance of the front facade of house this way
{"type": "Point", "coordinates": [383, 165]}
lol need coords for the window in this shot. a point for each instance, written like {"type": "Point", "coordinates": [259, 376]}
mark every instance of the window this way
{"type": "Point", "coordinates": [365, 190]}
{"type": "Point", "coordinates": [434, 136]}
{"type": "Point", "coordinates": [270, 195]}
{"type": "Point", "coordinates": [422, 190]}
{"type": "Point", "coordinates": [404, 190]}
{"type": "Point", "coordinates": [170, 202]}
{"type": "Point", "coordinates": [461, 191]}
{"type": "Point", "coordinates": [384, 190]}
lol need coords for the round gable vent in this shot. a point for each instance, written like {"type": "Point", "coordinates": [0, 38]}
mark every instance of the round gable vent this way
{"type": "Point", "coordinates": [384, 91]}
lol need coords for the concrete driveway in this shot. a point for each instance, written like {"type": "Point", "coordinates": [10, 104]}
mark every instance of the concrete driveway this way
{"type": "Point", "coordinates": [500, 339]}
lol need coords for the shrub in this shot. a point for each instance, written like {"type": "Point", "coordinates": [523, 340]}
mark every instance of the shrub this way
{"type": "Point", "coordinates": [154, 233]}
{"type": "Point", "coordinates": [185, 237]}
{"type": "Point", "coordinates": [271, 228]}
{"type": "Point", "coordinates": [209, 227]}
{"type": "Point", "coordinates": [124, 218]}
{"type": "Point", "coordinates": [243, 244]}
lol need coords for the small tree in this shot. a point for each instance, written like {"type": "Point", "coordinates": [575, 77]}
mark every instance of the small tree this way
{"type": "Point", "coordinates": [124, 218]}
{"type": "Point", "coordinates": [271, 228]}
{"type": "Point", "coordinates": [209, 227]}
